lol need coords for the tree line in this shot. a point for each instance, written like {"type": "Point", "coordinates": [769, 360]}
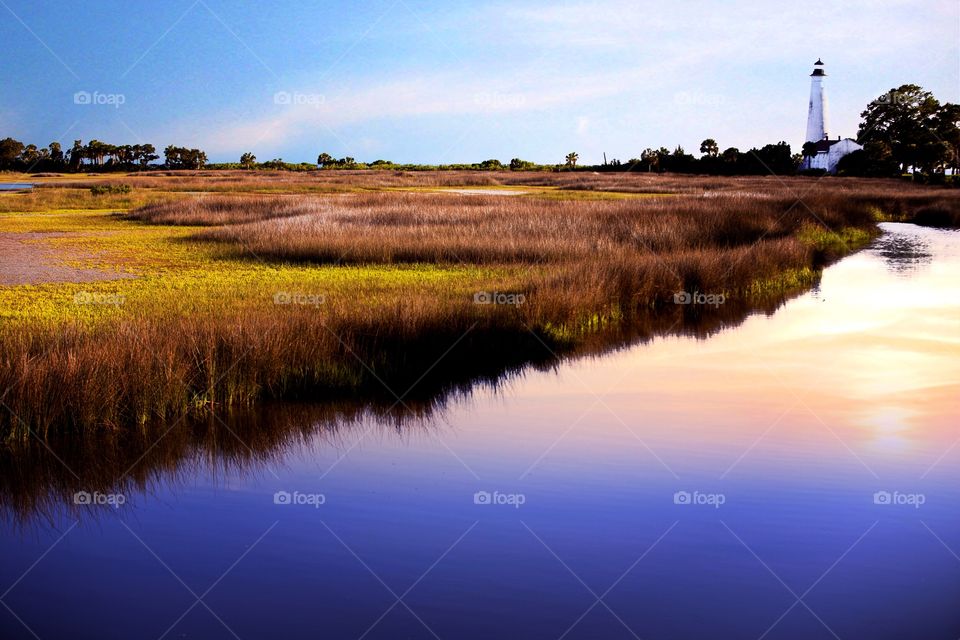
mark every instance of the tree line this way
{"type": "Point", "coordinates": [904, 130]}
{"type": "Point", "coordinates": [94, 156]}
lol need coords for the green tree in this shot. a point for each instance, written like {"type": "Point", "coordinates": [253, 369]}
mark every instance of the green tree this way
{"type": "Point", "coordinates": [10, 151]}
{"type": "Point", "coordinates": [773, 158]}
{"type": "Point", "coordinates": [710, 148]}
{"type": "Point", "coordinates": [76, 154]}
{"type": "Point", "coordinates": [184, 158]}
{"type": "Point", "coordinates": [874, 160]}
{"type": "Point", "coordinates": [248, 160]}
{"type": "Point", "coordinates": [97, 151]}
{"type": "Point", "coordinates": [680, 161]}
{"type": "Point", "coordinates": [904, 119]}
{"type": "Point", "coordinates": [145, 154]}
{"type": "Point", "coordinates": [325, 160]}
{"type": "Point", "coordinates": [56, 152]}
{"type": "Point", "coordinates": [572, 159]}
{"type": "Point", "coordinates": [30, 155]}
{"type": "Point", "coordinates": [663, 159]}
{"type": "Point", "coordinates": [171, 156]}
{"type": "Point", "coordinates": [198, 158]}
{"type": "Point", "coordinates": [650, 159]}
{"type": "Point", "coordinates": [124, 155]}
{"type": "Point", "coordinates": [946, 128]}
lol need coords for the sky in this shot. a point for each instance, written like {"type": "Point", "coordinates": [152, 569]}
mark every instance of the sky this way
{"type": "Point", "coordinates": [449, 82]}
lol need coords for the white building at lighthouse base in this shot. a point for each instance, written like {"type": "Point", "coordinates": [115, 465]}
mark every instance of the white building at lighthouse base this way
{"type": "Point", "coordinates": [828, 154]}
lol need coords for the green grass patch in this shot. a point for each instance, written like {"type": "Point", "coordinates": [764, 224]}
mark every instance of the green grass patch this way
{"type": "Point", "coordinates": [782, 284]}
{"type": "Point", "coordinates": [839, 243]}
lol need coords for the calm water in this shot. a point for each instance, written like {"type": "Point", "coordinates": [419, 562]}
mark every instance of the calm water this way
{"type": "Point", "coordinates": [14, 186]}
{"type": "Point", "coordinates": [797, 476]}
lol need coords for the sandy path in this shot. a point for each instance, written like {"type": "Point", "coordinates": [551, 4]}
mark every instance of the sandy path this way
{"type": "Point", "coordinates": [25, 261]}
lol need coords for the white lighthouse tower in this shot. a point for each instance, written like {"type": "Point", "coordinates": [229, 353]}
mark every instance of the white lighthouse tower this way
{"type": "Point", "coordinates": [820, 152]}
{"type": "Point", "coordinates": [817, 114]}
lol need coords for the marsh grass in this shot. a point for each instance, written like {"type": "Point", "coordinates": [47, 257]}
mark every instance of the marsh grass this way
{"type": "Point", "coordinates": [224, 210]}
{"type": "Point", "coordinates": [397, 269]}
{"type": "Point", "coordinates": [42, 200]}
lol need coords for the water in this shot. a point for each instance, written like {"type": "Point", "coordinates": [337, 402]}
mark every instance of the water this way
{"type": "Point", "coordinates": [14, 186]}
{"type": "Point", "coordinates": [797, 476]}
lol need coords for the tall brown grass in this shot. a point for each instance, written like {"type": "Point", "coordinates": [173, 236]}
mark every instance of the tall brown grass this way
{"type": "Point", "coordinates": [235, 181]}
{"type": "Point", "coordinates": [592, 273]}
{"type": "Point", "coordinates": [420, 227]}
{"type": "Point", "coordinates": [284, 181]}
{"type": "Point", "coordinates": [233, 209]}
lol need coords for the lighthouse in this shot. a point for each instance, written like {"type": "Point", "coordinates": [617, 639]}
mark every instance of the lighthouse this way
{"type": "Point", "coordinates": [817, 114]}
{"type": "Point", "coordinates": [820, 153]}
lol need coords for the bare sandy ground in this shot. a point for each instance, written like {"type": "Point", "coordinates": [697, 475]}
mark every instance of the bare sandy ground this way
{"type": "Point", "coordinates": [23, 260]}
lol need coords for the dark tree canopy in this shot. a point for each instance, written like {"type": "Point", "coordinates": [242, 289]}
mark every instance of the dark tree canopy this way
{"type": "Point", "coordinates": [911, 127]}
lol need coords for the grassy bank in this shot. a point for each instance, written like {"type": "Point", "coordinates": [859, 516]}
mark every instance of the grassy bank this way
{"type": "Point", "coordinates": [246, 287]}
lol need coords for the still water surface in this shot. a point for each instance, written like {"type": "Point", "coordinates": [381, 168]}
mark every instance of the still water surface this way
{"type": "Point", "coordinates": [797, 476]}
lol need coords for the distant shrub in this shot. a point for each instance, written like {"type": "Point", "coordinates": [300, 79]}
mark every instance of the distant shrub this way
{"type": "Point", "coordinates": [493, 164]}
{"type": "Point", "coordinates": [521, 165]}
{"type": "Point", "coordinates": [108, 189]}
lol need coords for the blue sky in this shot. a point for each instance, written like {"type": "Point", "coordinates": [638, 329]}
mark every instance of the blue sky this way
{"type": "Point", "coordinates": [440, 82]}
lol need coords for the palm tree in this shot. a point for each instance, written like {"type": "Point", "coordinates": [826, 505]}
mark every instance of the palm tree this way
{"type": "Point", "coordinates": [76, 154]}
{"type": "Point", "coordinates": [572, 159]}
{"type": "Point", "coordinates": [709, 147]}
{"type": "Point", "coordinates": [94, 151]}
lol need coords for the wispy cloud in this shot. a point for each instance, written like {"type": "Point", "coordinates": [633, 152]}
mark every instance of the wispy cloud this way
{"type": "Point", "coordinates": [535, 77]}
{"type": "Point", "coordinates": [722, 34]}
{"type": "Point", "coordinates": [301, 111]}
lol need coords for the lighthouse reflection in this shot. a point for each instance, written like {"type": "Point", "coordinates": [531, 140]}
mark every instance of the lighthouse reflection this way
{"type": "Point", "coordinates": [903, 254]}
